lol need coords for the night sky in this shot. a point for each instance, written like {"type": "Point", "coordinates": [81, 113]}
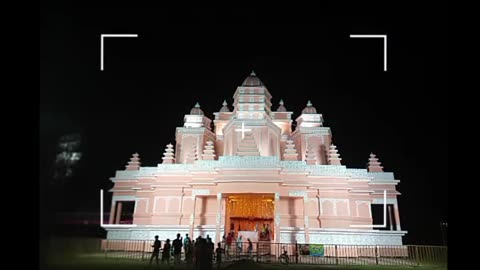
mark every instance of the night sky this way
{"type": "Point", "coordinates": [187, 55]}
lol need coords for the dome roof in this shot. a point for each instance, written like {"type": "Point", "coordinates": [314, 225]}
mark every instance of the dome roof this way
{"type": "Point", "coordinates": [196, 110]}
{"type": "Point", "coordinates": [224, 108]}
{"type": "Point", "coordinates": [281, 108]}
{"type": "Point", "coordinates": [309, 109]}
{"type": "Point", "coordinates": [252, 80]}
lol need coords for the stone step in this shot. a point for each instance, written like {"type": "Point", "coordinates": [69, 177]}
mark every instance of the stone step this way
{"type": "Point", "coordinates": [248, 153]}
{"type": "Point", "coordinates": [247, 147]}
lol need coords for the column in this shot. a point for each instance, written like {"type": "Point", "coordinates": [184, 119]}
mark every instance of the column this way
{"type": "Point", "coordinates": [192, 217]}
{"type": "Point", "coordinates": [112, 213]}
{"type": "Point", "coordinates": [277, 217]}
{"type": "Point", "coordinates": [397, 215]}
{"type": "Point", "coordinates": [305, 218]}
{"type": "Point", "coordinates": [119, 213]}
{"type": "Point", "coordinates": [319, 211]}
{"type": "Point", "coordinates": [181, 208]}
{"type": "Point", "coordinates": [218, 237]}
{"type": "Point", "coordinates": [389, 211]}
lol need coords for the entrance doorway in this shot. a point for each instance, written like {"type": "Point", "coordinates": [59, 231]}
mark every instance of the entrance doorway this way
{"type": "Point", "coordinates": [250, 215]}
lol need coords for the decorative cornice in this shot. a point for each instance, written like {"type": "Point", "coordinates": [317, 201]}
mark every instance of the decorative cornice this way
{"type": "Point", "coordinates": [315, 130]}
{"type": "Point", "coordinates": [382, 175]}
{"type": "Point", "coordinates": [196, 192]}
{"type": "Point", "coordinates": [298, 193]}
{"type": "Point", "coordinates": [257, 162]}
{"type": "Point", "coordinates": [122, 198]}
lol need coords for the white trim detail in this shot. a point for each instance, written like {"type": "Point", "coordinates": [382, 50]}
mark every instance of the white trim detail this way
{"type": "Point", "coordinates": [196, 192]}
{"type": "Point", "coordinates": [298, 193]}
{"type": "Point", "coordinates": [380, 201]}
{"type": "Point", "coordinates": [123, 198]}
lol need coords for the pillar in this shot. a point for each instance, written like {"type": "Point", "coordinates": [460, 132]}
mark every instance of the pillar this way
{"type": "Point", "coordinates": [181, 208]}
{"type": "Point", "coordinates": [319, 210]}
{"type": "Point", "coordinates": [305, 219]}
{"type": "Point", "coordinates": [218, 237]}
{"type": "Point", "coordinates": [397, 216]}
{"type": "Point", "coordinates": [277, 217]}
{"type": "Point", "coordinates": [192, 217]}
{"type": "Point", "coordinates": [389, 211]}
{"type": "Point", "coordinates": [119, 213]}
{"type": "Point", "coordinates": [112, 213]}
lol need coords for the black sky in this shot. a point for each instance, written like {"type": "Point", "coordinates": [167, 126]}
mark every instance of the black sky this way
{"type": "Point", "coordinates": [188, 55]}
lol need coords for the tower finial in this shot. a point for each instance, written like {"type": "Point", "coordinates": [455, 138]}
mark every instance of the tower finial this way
{"type": "Point", "coordinates": [169, 155]}
{"type": "Point", "coordinates": [253, 73]}
{"type": "Point", "coordinates": [309, 103]}
{"type": "Point", "coordinates": [333, 155]}
{"type": "Point", "coordinates": [281, 108]}
{"type": "Point", "coordinates": [134, 163]}
{"type": "Point", "coordinates": [225, 107]}
{"type": "Point", "coordinates": [373, 164]}
{"type": "Point", "coordinates": [197, 105]}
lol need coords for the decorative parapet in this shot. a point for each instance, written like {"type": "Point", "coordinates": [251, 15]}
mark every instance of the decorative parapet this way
{"type": "Point", "coordinates": [126, 175]}
{"type": "Point", "coordinates": [315, 130]}
{"type": "Point", "coordinates": [249, 162]}
{"type": "Point", "coordinates": [381, 175]}
{"type": "Point", "coordinates": [358, 172]}
{"type": "Point", "coordinates": [174, 168]}
{"type": "Point", "coordinates": [300, 166]}
{"type": "Point", "coordinates": [334, 170]}
{"type": "Point", "coordinates": [254, 162]}
{"type": "Point", "coordinates": [147, 171]}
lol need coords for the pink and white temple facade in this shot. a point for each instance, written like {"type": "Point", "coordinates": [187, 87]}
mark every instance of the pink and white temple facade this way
{"type": "Point", "coordinates": [252, 152]}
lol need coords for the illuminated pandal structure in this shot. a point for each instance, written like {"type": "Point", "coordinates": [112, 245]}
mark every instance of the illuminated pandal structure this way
{"type": "Point", "coordinates": [253, 166]}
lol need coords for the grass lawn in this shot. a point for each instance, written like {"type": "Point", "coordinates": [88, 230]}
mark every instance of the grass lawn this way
{"type": "Point", "coordinates": [83, 255]}
{"type": "Point", "coordinates": [99, 262]}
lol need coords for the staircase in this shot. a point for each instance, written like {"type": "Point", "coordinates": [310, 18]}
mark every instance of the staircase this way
{"type": "Point", "coordinates": [247, 146]}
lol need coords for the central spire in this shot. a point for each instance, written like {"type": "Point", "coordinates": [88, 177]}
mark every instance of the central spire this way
{"type": "Point", "coordinates": [252, 99]}
{"type": "Point", "coordinates": [252, 80]}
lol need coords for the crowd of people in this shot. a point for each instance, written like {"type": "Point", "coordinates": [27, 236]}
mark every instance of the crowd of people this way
{"type": "Point", "coordinates": [201, 252]}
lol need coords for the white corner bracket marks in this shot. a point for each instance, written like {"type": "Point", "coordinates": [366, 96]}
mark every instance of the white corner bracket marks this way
{"type": "Point", "coordinates": [103, 36]}
{"type": "Point", "coordinates": [110, 225]}
{"type": "Point", "coordinates": [384, 46]}
{"type": "Point", "coordinates": [384, 225]}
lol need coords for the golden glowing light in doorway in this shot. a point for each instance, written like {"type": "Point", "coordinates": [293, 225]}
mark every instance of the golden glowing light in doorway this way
{"type": "Point", "coordinates": [251, 206]}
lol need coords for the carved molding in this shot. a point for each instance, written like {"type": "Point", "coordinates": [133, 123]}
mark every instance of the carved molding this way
{"type": "Point", "coordinates": [196, 192]}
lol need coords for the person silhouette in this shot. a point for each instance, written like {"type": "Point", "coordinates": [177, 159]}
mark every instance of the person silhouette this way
{"type": "Point", "coordinates": [186, 247]}
{"type": "Point", "coordinates": [239, 245]}
{"type": "Point", "coordinates": [177, 249]}
{"type": "Point", "coordinates": [219, 253]}
{"type": "Point", "coordinates": [156, 249]}
{"type": "Point", "coordinates": [166, 252]}
{"type": "Point", "coordinates": [250, 248]}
